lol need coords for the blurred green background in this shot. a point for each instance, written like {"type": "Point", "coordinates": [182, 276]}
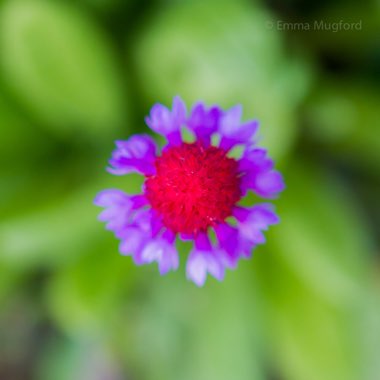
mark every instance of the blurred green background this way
{"type": "Point", "coordinates": [75, 75]}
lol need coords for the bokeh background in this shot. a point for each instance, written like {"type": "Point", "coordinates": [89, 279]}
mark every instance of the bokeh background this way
{"type": "Point", "coordinates": [77, 74]}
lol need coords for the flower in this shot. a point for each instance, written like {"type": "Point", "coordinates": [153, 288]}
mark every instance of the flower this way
{"type": "Point", "coordinates": [191, 188]}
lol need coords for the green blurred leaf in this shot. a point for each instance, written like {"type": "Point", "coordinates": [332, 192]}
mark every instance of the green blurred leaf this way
{"type": "Point", "coordinates": [61, 66]}
{"type": "Point", "coordinates": [15, 130]}
{"type": "Point", "coordinates": [59, 230]}
{"type": "Point", "coordinates": [226, 336]}
{"type": "Point", "coordinates": [199, 333]}
{"type": "Point", "coordinates": [356, 42]}
{"type": "Point", "coordinates": [82, 358]}
{"type": "Point", "coordinates": [369, 333]}
{"type": "Point", "coordinates": [86, 297]}
{"type": "Point", "coordinates": [106, 6]}
{"type": "Point", "coordinates": [315, 277]}
{"type": "Point", "coordinates": [9, 281]}
{"type": "Point", "coordinates": [325, 232]}
{"type": "Point", "coordinates": [345, 117]}
{"type": "Point", "coordinates": [54, 233]}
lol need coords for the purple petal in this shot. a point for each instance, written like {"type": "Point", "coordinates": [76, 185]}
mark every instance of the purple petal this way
{"type": "Point", "coordinates": [186, 236]}
{"type": "Point", "coordinates": [269, 184]}
{"type": "Point", "coordinates": [132, 243]}
{"type": "Point", "coordinates": [119, 208]}
{"type": "Point", "coordinates": [234, 246]}
{"type": "Point", "coordinates": [136, 236]}
{"type": "Point", "coordinates": [161, 251]}
{"type": "Point", "coordinates": [203, 259]}
{"type": "Point", "coordinates": [107, 198]}
{"type": "Point", "coordinates": [179, 111]}
{"type": "Point", "coordinates": [266, 184]}
{"type": "Point", "coordinates": [252, 221]}
{"type": "Point", "coordinates": [236, 243]}
{"type": "Point", "coordinates": [143, 220]}
{"type": "Point", "coordinates": [259, 175]}
{"type": "Point", "coordinates": [255, 159]}
{"type": "Point", "coordinates": [231, 119]}
{"type": "Point", "coordinates": [204, 122]}
{"type": "Point", "coordinates": [167, 123]}
{"type": "Point", "coordinates": [134, 227]}
{"type": "Point", "coordinates": [228, 238]}
{"type": "Point", "coordinates": [136, 154]}
{"type": "Point", "coordinates": [234, 132]}
{"type": "Point", "coordinates": [156, 224]}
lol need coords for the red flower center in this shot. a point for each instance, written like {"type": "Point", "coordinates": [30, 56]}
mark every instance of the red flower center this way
{"type": "Point", "coordinates": [194, 187]}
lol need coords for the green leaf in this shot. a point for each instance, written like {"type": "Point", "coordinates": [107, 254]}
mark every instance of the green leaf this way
{"type": "Point", "coordinates": [57, 231]}
{"type": "Point", "coordinates": [61, 67]}
{"type": "Point", "coordinates": [344, 116]}
{"type": "Point", "coordinates": [79, 358]}
{"type": "Point", "coordinates": [199, 333]}
{"type": "Point", "coordinates": [86, 297]}
{"type": "Point", "coordinates": [314, 278]}
{"type": "Point", "coordinates": [54, 233]}
{"type": "Point", "coordinates": [16, 133]}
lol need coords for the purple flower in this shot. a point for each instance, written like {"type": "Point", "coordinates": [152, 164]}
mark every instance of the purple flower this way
{"type": "Point", "coordinates": [190, 189]}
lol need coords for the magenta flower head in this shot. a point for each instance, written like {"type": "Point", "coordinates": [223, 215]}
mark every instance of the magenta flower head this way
{"type": "Point", "coordinates": [190, 189]}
